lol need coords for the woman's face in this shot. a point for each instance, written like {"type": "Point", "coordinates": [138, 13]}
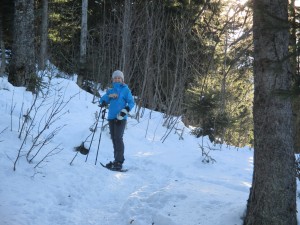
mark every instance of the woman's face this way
{"type": "Point", "coordinates": [117, 79]}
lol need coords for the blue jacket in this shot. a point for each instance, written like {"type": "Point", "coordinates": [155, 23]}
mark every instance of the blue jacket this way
{"type": "Point", "coordinates": [116, 104]}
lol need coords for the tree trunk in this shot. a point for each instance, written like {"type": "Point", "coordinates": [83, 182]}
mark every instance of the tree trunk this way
{"type": "Point", "coordinates": [296, 78]}
{"type": "Point", "coordinates": [126, 38]}
{"type": "Point", "coordinates": [272, 198]}
{"type": "Point", "coordinates": [83, 44]}
{"type": "Point", "coordinates": [22, 65]}
{"type": "Point", "coordinates": [44, 36]}
{"type": "Point", "coordinates": [3, 59]}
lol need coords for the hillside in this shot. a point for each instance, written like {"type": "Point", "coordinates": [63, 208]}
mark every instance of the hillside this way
{"type": "Point", "coordinates": [167, 182]}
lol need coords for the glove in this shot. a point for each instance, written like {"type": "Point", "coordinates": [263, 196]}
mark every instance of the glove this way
{"type": "Point", "coordinates": [103, 104]}
{"type": "Point", "coordinates": [123, 113]}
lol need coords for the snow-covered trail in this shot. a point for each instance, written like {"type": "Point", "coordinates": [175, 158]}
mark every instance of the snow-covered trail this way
{"type": "Point", "coordinates": [167, 183]}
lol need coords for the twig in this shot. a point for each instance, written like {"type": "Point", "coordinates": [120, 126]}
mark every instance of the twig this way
{"type": "Point", "coordinates": [13, 106]}
{"type": "Point", "coordinates": [3, 131]}
{"type": "Point", "coordinates": [44, 142]}
{"type": "Point", "coordinates": [207, 158]}
{"type": "Point", "coordinates": [148, 123]}
{"type": "Point", "coordinates": [174, 123]}
{"type": "Point", "coordinates": [49, 154]}
{"type": "Point", "coordinates": [27, 116]}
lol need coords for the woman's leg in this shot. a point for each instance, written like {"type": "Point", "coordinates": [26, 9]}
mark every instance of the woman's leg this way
{"type": "Point", "coordinates": [116, 131]}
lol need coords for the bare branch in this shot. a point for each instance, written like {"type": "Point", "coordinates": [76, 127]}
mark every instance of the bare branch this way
{"type": "Point", "coordinates": [54, 151]}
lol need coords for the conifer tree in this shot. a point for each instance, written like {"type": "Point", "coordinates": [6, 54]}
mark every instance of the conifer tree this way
{"type": "Point", "coordinates": [22, 66]}
{"type": "Point", "coordinates": [272, 197]}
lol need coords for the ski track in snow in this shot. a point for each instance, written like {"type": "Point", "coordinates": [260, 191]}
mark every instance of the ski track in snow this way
{"type": "Point", "coordinates": [161, 196]}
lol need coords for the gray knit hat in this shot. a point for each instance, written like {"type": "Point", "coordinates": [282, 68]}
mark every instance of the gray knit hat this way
{"type": "Point", "coordinates": [118, 73]}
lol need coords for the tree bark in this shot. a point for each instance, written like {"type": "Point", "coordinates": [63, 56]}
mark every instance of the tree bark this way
{"type": "Point", "coordinates": [3, 58]}
{"type": "Point", "coordinates": [83, 44]}
{"type": "Point", "coordinates": [22, 65]}
{"type": "Point", "coordinates": [44, 36]}
{"type": "Point", "coordinates": [272, 198]}
{"type": "Point", "coordinates": [296, 78]}
{"type": "Point", "coordinates": [126, 38]}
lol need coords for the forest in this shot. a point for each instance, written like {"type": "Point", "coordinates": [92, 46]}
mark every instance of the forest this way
{"type": "Point", "coordinates": [183, 58]}
{"type": "Point", "coordinates": [230, 69]}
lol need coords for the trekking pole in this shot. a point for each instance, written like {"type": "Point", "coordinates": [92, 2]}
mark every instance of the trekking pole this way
{"type": "Point", "coordinates": [73, 159]}
{"type": "Point", "coordinates": [93, 134]}
{"type": "Point", "coordinates": [103, 117]}
{"type": "Point", "coordinates": [81, 148]}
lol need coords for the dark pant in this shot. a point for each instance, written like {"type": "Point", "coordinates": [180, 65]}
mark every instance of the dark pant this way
{"type": "Point", "coordinates": [116, 128]}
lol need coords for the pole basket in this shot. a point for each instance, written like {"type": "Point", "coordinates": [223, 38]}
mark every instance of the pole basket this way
{"type": "Point", "coordinates": [83, 150]}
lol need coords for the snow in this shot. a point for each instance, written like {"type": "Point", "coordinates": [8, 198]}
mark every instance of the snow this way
{"type": "Point", "coordinates": [167, 182]}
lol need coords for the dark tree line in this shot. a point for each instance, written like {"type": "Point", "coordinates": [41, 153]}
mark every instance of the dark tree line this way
{"type": "Point", "coordinates": [165, 48]}
{"type": "Point", "coordinates": [189, 58]}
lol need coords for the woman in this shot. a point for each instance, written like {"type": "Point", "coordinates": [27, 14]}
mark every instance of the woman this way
{"type": "Point", "coordinates": [120, 101]}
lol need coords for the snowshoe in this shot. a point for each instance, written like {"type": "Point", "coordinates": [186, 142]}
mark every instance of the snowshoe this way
{"type": "Point", "coordinates": [114, 166]}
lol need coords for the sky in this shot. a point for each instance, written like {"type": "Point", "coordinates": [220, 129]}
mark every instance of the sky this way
{"type": "Point", "coordinates": [169, 180]}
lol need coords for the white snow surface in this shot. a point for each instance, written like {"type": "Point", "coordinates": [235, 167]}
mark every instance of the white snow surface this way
{"type": "Point", "coordinates": [166, 183]}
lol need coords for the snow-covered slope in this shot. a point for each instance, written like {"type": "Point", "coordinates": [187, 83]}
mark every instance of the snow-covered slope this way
{"type": "Point", "coordinates": [167, 182]}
